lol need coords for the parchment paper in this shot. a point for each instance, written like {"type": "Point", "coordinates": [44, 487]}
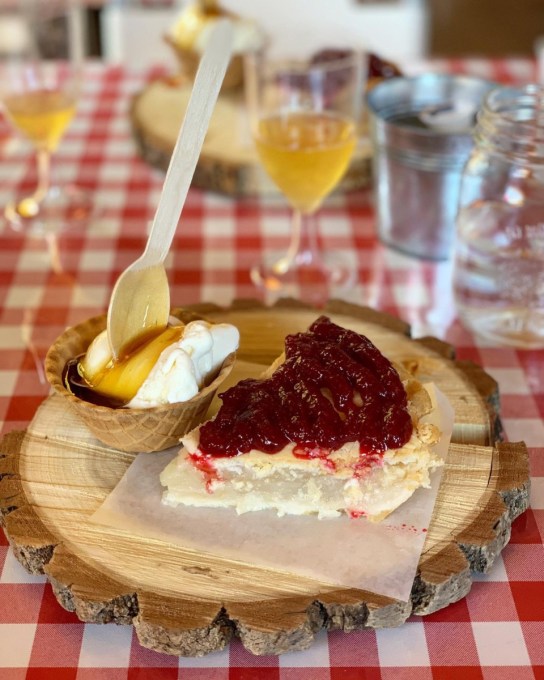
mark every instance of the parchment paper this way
{"type": "Point", "coordinates": [381, 558]}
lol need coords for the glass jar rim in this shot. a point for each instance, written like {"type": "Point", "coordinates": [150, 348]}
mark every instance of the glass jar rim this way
{"type": "Point", "coordinates": [511, 121]}
{"type": "Point", "coordinates": [501, 99]}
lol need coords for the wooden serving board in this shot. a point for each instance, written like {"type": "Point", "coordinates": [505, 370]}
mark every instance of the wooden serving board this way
{"type": "Point", "coordinates": [182, 602]}
{"type": "Point", "coordinates": [228, 162]}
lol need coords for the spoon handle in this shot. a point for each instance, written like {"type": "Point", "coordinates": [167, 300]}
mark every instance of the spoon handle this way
{"type": "Point", "coordinates": [207, 84]}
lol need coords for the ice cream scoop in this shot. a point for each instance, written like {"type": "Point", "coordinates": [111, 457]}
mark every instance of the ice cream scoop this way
{"type": "Point", "coordinates": [171, 367]}
{"type": "Point", "coordinates": [184, 367]}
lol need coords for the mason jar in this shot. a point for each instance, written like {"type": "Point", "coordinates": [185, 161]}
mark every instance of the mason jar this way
{"type": "Point", "coordinates": [498, 274]}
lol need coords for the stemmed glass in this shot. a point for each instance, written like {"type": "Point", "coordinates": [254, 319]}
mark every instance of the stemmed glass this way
{"type": "Point", "coordinates": [40, 79]}
{"type": "Point", "coordinates": [304, 117]}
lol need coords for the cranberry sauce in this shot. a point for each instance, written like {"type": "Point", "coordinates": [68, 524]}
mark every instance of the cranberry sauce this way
{"type": "Point", "coordinates": [334, 387]}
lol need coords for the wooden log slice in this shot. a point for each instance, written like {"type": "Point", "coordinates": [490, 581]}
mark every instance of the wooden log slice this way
{"type": "Point", "coordinates": [228, 162]}
{"type": "Point", "coordinates": [183, 602]}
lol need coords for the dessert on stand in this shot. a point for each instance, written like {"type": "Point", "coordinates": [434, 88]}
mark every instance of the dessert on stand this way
{"type": "Point", "coordinates": [56, 475]}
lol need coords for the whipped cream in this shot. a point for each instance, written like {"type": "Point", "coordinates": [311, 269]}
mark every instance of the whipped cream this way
{"type": "Point", "coordinates": [183, 368]}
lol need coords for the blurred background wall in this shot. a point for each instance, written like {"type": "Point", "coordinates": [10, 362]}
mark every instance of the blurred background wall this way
{"type": "Point", "coordinates": [396, 29]}
{"type": "Point", "coordinates": [131, 30]}
{"type": "Point", "coordinates": [484, 27]}
{"type": "Point", "coordinates": [396, 26]}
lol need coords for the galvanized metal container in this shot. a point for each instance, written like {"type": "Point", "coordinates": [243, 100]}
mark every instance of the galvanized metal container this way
{"type": "Point", "coordinates": [421, 130]}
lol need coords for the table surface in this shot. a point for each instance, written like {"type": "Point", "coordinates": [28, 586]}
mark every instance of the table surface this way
{"type": "Point", "coordinates": [496, 632]}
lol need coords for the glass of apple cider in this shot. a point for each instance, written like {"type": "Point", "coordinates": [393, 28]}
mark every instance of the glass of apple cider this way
{"type": "Point", "coordinates": [40, 76]}
{"type": "Point", "coordinates": [304, 119]}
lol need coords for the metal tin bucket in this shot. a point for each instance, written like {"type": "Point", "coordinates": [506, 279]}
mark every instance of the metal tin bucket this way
{"type": "Point", "coordinates": [421, 130]}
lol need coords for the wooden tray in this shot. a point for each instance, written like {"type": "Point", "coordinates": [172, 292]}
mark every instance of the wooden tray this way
{"type": "Point", "coordinates": [184, 603]}
{"type": "Point", "coordinates": [228, 163]}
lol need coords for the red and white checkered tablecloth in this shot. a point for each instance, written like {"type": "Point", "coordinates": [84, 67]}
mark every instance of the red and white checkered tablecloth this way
{"type": "Point", "coordinates": [497, 632]}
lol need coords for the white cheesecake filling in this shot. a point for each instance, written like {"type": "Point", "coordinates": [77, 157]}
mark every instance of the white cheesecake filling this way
{"type": "Point", "coordinates": [342, 481]}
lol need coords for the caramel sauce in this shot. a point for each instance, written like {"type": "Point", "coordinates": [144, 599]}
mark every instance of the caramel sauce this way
{"type": "Point", "coordinates": [79, 387]}
{"type": "Point", "coordinates": [119, 381]}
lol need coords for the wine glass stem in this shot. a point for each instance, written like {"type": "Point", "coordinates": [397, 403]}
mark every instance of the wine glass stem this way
{"type": "Point", "coordinates": [303, 248]}
{"type": "Point", "coordinates": [43, 160]}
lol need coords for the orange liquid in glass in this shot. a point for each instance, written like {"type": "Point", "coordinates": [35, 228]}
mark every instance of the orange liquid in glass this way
{"type": "Point", "coordinates": [305, 154]}
{"type": "Point", "coordinates": [42, 115]}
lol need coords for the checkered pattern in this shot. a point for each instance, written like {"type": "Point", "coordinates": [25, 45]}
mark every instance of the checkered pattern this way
{"type": "Point", "coordinates": [495, 633]}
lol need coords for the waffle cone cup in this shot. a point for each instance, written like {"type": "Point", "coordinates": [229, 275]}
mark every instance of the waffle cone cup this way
{"type": "Point", "coordinates": [129, 429]}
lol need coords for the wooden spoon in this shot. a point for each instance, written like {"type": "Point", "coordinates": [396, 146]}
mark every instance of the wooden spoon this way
{"type": "Point", "coordinates": [140, 300]}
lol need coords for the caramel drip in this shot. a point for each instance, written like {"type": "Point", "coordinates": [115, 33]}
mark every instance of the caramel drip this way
{"type": "Point", "coordinates": [119, 381]}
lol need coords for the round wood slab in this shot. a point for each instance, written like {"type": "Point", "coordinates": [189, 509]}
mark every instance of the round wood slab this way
{"type": "Point", "coordinates": [181, 602]}
{"type": "Point", "coordinates": [228, 162]}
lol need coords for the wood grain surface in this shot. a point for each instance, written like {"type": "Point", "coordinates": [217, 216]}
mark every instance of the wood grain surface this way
{"type": "Point", "coordinates": [186, 603]}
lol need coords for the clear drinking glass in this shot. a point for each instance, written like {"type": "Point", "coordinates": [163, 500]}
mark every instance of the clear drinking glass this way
{"type": "Point", "coordinates": [40, 78]}
{"type": "Point", "coordinates": [304, 119]}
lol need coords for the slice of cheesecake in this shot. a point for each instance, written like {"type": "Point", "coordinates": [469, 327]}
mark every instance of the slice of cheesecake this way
{"type": "Point", "coordinates": [333, 428]}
